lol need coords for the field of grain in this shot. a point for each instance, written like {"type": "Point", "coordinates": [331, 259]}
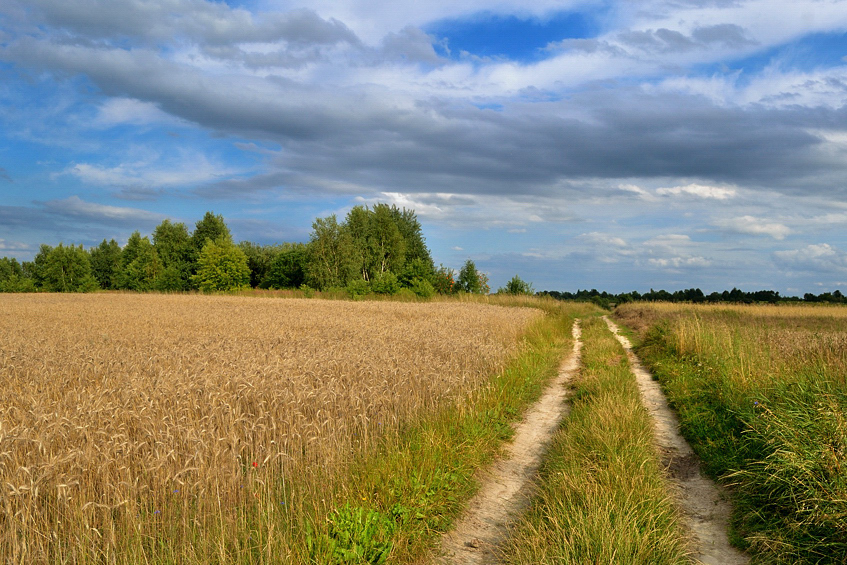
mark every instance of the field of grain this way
{"type": "Point", "coordinates": [134, 425]}
{"type": "Point", "coordinates": [761, 392]}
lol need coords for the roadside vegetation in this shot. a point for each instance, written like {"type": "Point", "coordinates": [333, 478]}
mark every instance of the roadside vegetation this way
{"type": "Point", "coordinates": [761, 392]}
{"type": "Point", "coordinates": [601, 496]}
{"type": "Point", "coordinates": [199, 429]}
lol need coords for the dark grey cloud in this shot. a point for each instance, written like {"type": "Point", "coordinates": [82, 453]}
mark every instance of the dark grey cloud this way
{"type": "Point", "coordinates": [359, 137]}
{"type": "Point", "coordinates": [661, 41]}
{"type": "Point", "coordinates": [670, 41]}
{"type": "Point", "coordinates": [410, 45]}
{"type": "Point", "coordinates": [198, 20]}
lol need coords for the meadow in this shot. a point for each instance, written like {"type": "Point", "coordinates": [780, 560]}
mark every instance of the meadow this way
{"type": "Point", "coordinates": [761, 392]}
{"type": "Point", "coordinates": [214, 429]}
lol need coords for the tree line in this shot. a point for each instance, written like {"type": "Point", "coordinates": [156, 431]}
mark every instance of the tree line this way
{"type": "Point", "coordinates": [379, 249]}
{"type": "Point", "coordinates": [694, 295]}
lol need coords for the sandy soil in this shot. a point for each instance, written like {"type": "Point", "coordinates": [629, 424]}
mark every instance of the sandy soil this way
{"type": "Point", "coordinates": [505, 490]}
{"type": "Point", "coordinates": [703, 504]}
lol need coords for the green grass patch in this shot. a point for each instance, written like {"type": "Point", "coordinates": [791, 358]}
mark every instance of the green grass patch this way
{"type": "Point", "coordinates": [601, 495]}
{"type": "Point", "coordinates": [762, 399]}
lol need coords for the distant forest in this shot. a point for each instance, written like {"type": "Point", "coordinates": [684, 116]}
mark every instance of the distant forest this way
{"type": "Point", "coordinates": [694, 295]}
{"type": "Point", "coordinates": [379, 249]}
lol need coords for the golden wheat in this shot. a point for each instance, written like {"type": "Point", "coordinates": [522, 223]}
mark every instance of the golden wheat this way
{"type": "Point", "coordinates": [125, 413]}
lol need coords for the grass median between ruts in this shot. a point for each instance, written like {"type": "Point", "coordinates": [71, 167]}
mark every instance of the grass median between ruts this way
{"type": "Point", "coordinates": [601, 495]}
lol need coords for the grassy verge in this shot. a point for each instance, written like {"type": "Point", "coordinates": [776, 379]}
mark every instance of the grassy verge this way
{"type": "Point", "coordinates": [762, 398]}
{"type": "Point", "coordinates": [601, 496]}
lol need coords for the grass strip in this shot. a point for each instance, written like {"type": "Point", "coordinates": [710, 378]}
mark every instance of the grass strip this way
{"type": "Point", "coordinates": [761, 398]}
{"type": "Point", "coordinates": [601, 495]}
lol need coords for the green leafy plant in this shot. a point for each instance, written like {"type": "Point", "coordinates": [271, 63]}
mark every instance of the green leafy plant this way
{"type": "Point", "coordinates": [359, 535]}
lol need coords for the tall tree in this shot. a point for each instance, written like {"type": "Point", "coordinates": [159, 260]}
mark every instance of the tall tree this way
{"type": "Point", "coordinates": [105, 263]}
{"type": "Point", "coordinates": [331, 260]}
{"type": "Point", "coordinates": [140, 265]}
{"type": "Point", "coordinates": [68, 269]}
{"type": "Point", "coordinates": [470, 280]}
{"type": "Point", "coordinates": [13, 277]}
{"type": "Point", "coordinates": [259, 259]}
{"type": "Point", "coordinates": [221, 266]}
{"type": "Point", "coordinates": [174, 248]}
{"type": "Point", "coordinates": [288, 269]}
{"type": "Point", "coordinates": [211, 228]}
{"type": "Point", "coordinates": [412, 232]}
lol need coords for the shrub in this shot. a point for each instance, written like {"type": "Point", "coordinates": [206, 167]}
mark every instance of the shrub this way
{"type": "Point", "coordinates": [423, 288]}
{"type": "Point", "coordinates": [385, 283]}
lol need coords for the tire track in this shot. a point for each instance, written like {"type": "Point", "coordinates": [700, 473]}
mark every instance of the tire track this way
{"type": "Point", "coordinates": [505, 490]}
{"type": "Point", "coordinates": [704, 508]}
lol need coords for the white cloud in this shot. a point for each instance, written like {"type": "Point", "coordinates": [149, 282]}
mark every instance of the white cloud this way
{"type": "Point", "coordinates": [755, 226]}
{"type": "Point", "coordinates": [6, 245]}
{"type": "Point", "coordinates": [679, 262]}
{"type": "Point", "coordinates": [76, 207]}
{"type": "Point", "coordinates": [821, 257]}
{"type": "Point", "coordinates": [699, 191]}
{"type": "Point", "coordinates": [115, 111]}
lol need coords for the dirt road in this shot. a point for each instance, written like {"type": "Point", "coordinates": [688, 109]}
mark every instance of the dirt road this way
{"type": "Point", "coordinates": [704, 508]}
{"type": "Point", "coordinates": [505, 487]}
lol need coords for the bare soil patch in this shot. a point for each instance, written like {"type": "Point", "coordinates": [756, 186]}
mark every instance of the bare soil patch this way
{"type": "Point", "coordinates": [506, 486]}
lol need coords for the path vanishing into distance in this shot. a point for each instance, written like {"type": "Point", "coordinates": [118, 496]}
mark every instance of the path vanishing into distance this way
{"type": "Point", "coordinates": [705, 510]}
{"type": "Point", "coordinates": [507, 485]}
{"type": "Point", "coordinates": [505, 491]}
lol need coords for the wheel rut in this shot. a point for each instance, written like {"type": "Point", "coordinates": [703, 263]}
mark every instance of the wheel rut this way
{"type": "Point", "coordinates": [506, 485]}
{"type": "Point", "coordinates": [703, 504]}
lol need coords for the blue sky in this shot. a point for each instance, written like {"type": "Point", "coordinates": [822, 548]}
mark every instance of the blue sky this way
{"type": "Point", "coordinates": [581, 144]}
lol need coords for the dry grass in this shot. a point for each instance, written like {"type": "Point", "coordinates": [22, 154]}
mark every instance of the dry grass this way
{"type": "Point", "coordinates": [131, 419]}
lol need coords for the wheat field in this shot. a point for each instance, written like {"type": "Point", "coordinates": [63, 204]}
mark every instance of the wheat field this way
{"type": "Point", "coordinates": [129, 419]}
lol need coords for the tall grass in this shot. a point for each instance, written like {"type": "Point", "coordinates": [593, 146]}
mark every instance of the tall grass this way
{"type": "Point", "coordinates": [762, 395]}
{"type": "Point", "coordinates": [601, 495]}
{"type": "Point", "coordinates": [196, 429]}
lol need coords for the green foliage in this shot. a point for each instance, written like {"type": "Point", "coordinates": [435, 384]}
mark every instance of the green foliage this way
{"type": "Point", "coordinates": [772, 428]}
{"type": "Point", "coordinates": [175, 251]}
{"type": "Point", "coordinates": [308, 292]}
{"type": "Point", "coordinates": [416, 269]}
{"type": "Point", "coordinates": [210, 228]}
{"type": "Point", "coordinates": [385, 283]}
{"type": "Point", "coordinates": [358, 287]}
{"type": "Point", "coordinates": [38, 267]}
{"type": "Point", "coordinates": [423, 288]}
{"type": "Point", "coordinates": [378, 245]}
{"type": "Point", "coordinates": [105, 263]}
{"type": "Point", "coordinates": [140, 265]}
{"type": "Point", "coordinates": [359, 535]}
{"type": "Point", "coordinates": [13, 278]}
{"type": "Point", "coordinates": [471, 280]}
{"type": "Point", "coordinates": [221, 266]}
{"type": "Point", "coordinates": [331, 258]}
{"type": "Point", "coordinates": [443, 280]}
{"type": "Point", "coordinates": [67, 269]}
{"type": "Point", "coordinates": [516, 286]}
{"type": "Point", "coordinates": [260, 259]}
{"type": "Point", "coordinates": [288, 268]}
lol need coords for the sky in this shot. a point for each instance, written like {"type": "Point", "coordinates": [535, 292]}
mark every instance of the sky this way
{"type": "Point", "coordinates": [617, 145]}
